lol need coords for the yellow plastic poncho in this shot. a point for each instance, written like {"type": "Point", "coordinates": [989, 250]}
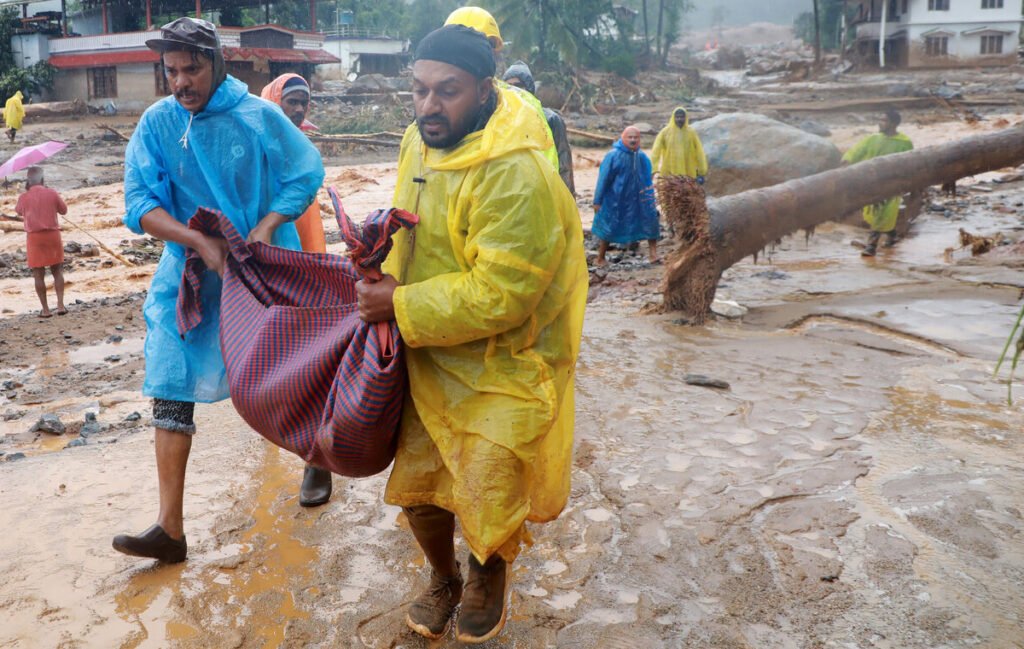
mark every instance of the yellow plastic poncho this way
{"type": "Point", "coordinates": [494, 286]}
{"type": "Point", "coordinates": [14, 112]}
{"type": "Point", "coordinates": [881, 217]}
{"type": "Point", "coordinates": [678, 151]}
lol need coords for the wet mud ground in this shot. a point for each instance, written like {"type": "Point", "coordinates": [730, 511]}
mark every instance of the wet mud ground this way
{"type": "Point", "coordinates": [859, 484]}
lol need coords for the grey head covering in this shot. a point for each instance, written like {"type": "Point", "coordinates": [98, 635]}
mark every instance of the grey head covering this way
{"type": "Point", "coordinates": [521, 71]}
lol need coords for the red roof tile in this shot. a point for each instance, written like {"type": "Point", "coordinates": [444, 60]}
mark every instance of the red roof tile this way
{"type": "Point", "coordinates": [98, 59]}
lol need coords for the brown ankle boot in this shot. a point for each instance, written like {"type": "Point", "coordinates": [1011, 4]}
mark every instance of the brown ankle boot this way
{"type": "Point", "coordinates": [430, 614]}
{"type": "Point", "coordinates": [483, 608]}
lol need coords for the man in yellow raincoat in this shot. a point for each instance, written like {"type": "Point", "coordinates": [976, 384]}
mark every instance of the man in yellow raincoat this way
{"type": "Point", "coordinates": [677, 149]}
{"type": "Point", "coordinates": [14, 114]}
{"type": "Point", "coordinates": [881, 217]}
{"type": "Point", "coordinates": [489, 292]}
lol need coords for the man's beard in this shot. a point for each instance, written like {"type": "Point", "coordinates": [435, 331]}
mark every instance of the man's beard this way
{"type": "Point", "coordinates": [455, 134]}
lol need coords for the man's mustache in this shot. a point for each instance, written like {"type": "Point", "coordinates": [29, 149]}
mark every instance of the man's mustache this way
{"type": "Point", "coordinates": [436, 119]}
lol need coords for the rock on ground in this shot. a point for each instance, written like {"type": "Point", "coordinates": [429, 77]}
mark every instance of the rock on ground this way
{"type": "Point", "coordinates": [747, 151]}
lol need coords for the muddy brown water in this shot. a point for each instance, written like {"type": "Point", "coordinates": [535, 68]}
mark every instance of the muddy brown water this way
{"type": "Point", "coordinates": [859, 485]}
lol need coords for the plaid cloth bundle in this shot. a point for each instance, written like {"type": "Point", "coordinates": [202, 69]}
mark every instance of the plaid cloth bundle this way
{"type": "Point", "coordinates": [303, 370]}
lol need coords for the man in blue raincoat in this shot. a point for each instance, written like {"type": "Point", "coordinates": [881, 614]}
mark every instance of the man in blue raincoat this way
{"type": "Point", "coordinates": [213, 145]}
{"type": "Point", "coordinates": [624, 210]}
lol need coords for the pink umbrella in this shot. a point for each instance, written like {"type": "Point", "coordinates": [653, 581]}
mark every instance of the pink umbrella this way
{"type": "Point", "coordinates": [29, 156]}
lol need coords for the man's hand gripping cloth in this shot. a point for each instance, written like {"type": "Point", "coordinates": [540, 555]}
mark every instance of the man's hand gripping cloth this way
{"type": "Point", "coordinates": [303, 370]}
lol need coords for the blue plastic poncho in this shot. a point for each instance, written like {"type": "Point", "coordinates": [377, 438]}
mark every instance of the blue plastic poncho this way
{"type": "Point", "coordinates": [625, 194]}
{"type": "Point", "coordinates": [239, 155]}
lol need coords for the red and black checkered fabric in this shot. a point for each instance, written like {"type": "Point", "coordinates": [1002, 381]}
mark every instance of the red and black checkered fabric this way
{"type": "Point", "coordinates": [303, 370]}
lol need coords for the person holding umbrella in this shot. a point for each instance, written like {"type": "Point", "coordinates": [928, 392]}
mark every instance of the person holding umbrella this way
{"type": "Point", "coordinates": [37, 208]}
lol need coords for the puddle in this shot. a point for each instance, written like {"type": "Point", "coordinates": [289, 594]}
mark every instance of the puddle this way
{"type": "Point", "coordinates": [246, 585]}
{"type": "Point", "coordinates": [97, 353]}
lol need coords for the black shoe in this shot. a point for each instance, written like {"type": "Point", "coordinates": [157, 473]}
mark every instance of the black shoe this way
{"type": "Point", "coordinates": [890, 240]}
{"type": "Point", "coordinates": [154, 543]}
{"type": "Point", "coordinates": [316, 486]}
{"type": "Point", "coordinates": [869, 251]}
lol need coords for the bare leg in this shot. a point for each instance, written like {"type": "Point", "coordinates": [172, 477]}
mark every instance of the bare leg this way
{"type": "Point", "coordinates": [39, 274]}
{"type": "Point", "coordinates": [172, 451]}
{"type": "Point", "coordinates": [652, 245]}
{"type": "Point", "coordinates": [58, 286]}
{"type": "Point", "coordinates": [602, 250]}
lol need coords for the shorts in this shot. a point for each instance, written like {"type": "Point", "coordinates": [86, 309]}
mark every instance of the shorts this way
{"type": "Point", "coordinates": [175, 416]}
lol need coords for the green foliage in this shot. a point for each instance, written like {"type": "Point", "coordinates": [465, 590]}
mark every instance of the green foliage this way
{"type": "Point", "coordinates": [424, 16]}
{"type": "Point", "coordinates": [622, 63]}
{"type": "Point", "coordinates": [1018, 349]}
{"type": "Point", "coordinates": [831, 35]}
{"type": "Point", "coordinates": [30, 81]}
{"type": "Point", "coordinates": [549, 31]}
{"type": "Point", "coordinates": [8, 20]}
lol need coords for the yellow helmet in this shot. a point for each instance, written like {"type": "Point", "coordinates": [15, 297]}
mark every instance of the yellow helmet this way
{"type": "Point", "coordinates": [480, 20]}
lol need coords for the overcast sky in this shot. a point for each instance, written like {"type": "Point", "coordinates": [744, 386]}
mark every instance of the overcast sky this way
{"type": "Point", "coordinates": [743, 12]}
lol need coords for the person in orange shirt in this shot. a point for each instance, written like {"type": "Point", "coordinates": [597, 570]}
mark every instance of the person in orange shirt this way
{"type": "Point", "coordinates": [291, 92]}
{"type": "Point", "coordinates": [38, 208]}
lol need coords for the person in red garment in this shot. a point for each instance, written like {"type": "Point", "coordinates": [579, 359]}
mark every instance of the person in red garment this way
{"type": "Point", "coordinates": [38, 208]}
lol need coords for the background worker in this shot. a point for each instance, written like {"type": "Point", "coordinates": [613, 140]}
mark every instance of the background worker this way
{"type": "Point", "coordinates": [291, 92]}
{"type": "Point", "coordinates": [38, 208]}
{"type": "Point", "coordinates": [624, 210]}
{"type": "Point", "coordinates": [14, 114]}
{"type": "Point", "coordinates": [677, 149]}
{"type": "Point", "coordinates": [881, 217]}
{"type": "Point", "coordinates": [518, 75]}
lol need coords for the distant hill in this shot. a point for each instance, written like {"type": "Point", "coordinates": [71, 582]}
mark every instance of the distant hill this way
{"type": "Point", "coordinates": [745, 12]}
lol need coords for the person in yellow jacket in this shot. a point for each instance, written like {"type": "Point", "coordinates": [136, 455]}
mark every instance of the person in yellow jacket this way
{"type": "Point", "coordinates": [482, 21]}
{"type": "Point", "coordinates": [489, 292]}
{"type": "Point", "coordinates": [881, 217]}
{"type": "Point", "coordinates": [14, 114]}
{"type": "Point", "coordinates": [677, 149]}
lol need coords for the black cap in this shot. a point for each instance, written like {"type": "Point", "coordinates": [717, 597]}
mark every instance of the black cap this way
{"type": "Point", "coordinates": [460, 46]}
{"type": "Point", "coordinates": [186, 32]}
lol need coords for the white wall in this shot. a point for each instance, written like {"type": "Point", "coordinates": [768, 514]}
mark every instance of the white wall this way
{"type": "Point", "coordinates": [29, 49]}
{"type": "Point", "coordinates": [964, 15]}
{"type": "Point", "coordinates": [349, 49]}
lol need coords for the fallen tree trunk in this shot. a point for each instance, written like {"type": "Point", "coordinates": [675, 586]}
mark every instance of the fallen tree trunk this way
{"type": "Point", "coordinates": [743, 224]}
{"type": "Point", "coordinates": [55, 109]}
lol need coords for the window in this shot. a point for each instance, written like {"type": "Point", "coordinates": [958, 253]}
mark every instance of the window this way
{"type": "Point", "coordinates": [939, 5]}
{"type": "Point", "coordinates": [102, 82]}
{"type": "Point", "coordinates": [991, 44]}
{"type": "Point", "coordinates": [162, 89]}
{"type": "Point", "coordinates": [991, 4]}
{"type": "Point", "coordinates": [936, 45]}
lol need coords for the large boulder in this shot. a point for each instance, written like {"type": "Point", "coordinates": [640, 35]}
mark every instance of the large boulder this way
{"type": "Point", "coordinates": [747, 151]}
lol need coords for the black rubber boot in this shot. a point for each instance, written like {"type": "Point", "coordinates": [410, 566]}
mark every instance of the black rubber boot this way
{"type": "Point", "coordinates": [316, 486]}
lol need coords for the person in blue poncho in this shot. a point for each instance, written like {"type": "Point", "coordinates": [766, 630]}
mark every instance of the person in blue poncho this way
{"type": "Point", "coordinates": [624, 198]}
{"type": "Point", "coordinates": [213, 145]}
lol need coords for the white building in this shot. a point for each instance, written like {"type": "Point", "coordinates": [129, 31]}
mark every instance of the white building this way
{"type": "Point", "coordinates": [939, 33]}
{"type": "Point", "coordinates": [363, 52]}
